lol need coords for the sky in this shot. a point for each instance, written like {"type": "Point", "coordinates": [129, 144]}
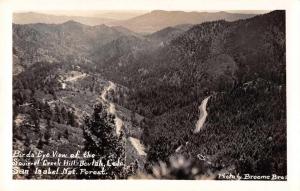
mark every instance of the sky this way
{"type": "Point", "coordinates": [112, 14]}
{"type": "Point", "coordinates": [115, 14]}
{"type": "Point", "coordinates": [146, 5]}
{"type": "Point", "coordinates": [131, 8]}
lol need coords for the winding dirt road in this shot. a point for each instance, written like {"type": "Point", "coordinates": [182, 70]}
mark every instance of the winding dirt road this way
{"type": "Point", "coordinates": [138, 146]}
{"type": "Point", "coordinates": [112, 108]}
{"type": "Point", "coordinates": [74, 78]}
{"type": "Point", "coordinates": [136, 143]}
{"type": "Point", "coordinates": [203, 115]}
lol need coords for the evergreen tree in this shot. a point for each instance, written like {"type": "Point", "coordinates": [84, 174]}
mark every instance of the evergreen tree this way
{"type": "Point", "coordinates": [47, 136]}
{"type": "Point", "coordinates": [71, 118]}
{"type": "Point", "coordinates": [66, 134]}
{"type": "Point", "coordinates": [101, 140]}
{"type": "Point", "coordinates": [40, 144]}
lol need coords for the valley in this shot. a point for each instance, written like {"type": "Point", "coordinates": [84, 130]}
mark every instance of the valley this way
{"type": "Point", "coordinates": [212, 86]}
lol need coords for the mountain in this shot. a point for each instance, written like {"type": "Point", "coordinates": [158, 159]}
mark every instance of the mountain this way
{"type": "Point", "coordinates": [165, 35]}
{"type": "Point", "coordinates": [145, 23]}
{"type": "Point", "coordinates": [115, 57]}
{"type": "Point", "coordinates": [236, 66]}
{"type": "Point", "coordinates": [207, 44]}
{"type": "Point", "coordinates": [32, 17]}
{"type": "Point", "coordinates": [70, 41]}
{"type": "Point", "coordinates": [241, 65]}
{"type": "Point", "coordinates": [157, 20]}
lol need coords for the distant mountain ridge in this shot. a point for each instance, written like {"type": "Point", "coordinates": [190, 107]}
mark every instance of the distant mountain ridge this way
{"type": "Point", "coordinates": [158, 19]}
{"type": "Point", "coordinates": [32, 17]}
{"type": "Point", "coordinates": [146, 23]}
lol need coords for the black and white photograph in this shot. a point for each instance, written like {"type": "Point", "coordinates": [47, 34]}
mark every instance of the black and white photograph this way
{"type": "Point", "coordinates": [181, 95]}
{"type": "Point", "coordinates": [143, 95]}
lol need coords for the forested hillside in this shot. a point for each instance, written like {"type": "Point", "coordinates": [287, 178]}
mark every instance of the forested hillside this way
{"type": "Point", "coordinates": [242, 65]}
